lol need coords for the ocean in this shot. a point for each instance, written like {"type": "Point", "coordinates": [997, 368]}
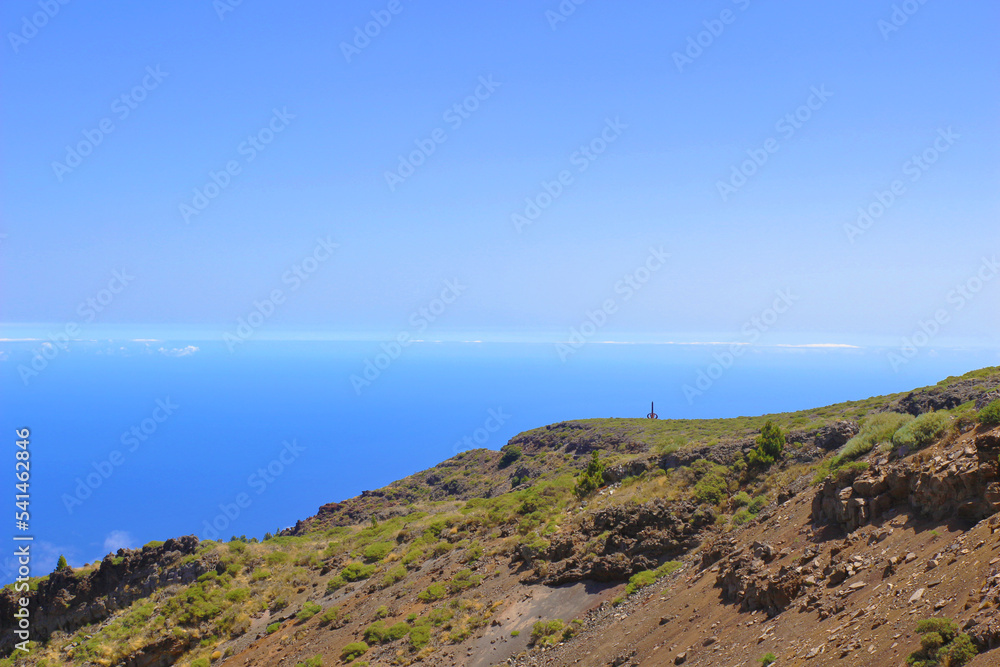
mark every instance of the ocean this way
{"type": "Point", "coordinates": [140, 441]}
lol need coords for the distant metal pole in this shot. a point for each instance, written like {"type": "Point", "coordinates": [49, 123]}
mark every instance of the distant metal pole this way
{"type": "Point", "coordinates": [652, 413]}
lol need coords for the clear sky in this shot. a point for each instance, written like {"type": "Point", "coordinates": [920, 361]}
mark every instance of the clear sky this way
{"type": "Point", "coordinates": [310, 127]}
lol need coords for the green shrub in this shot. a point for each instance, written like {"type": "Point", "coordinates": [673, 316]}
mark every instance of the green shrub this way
{"type": "Point", "coordinates": [941, 643]}
{"type": "Point", "coordinates": [591, 479]}
{"type": "Point", "coordinates": [757, 504]}
{"type": "Point", "coordinates": [379, 633]}
{"type": "Point", "coordinates": [382, 611]}
{"type": "Point", "coordinates": [435, 591]}
{"type": "Point", "coordinates": [335, 584]}
{"type": "Point", "coordinates": [354, 650]}
{"type": "Point", "coordinates": [412, 556]}
{"type": "Point", "coordinates": [309, 609]}
{"type": "Point", "coordinates": [276, 557]}
{"type": "Point", "coordinates": [741, 499]}
{"type": "Point", "coordinates": [315, 661]}
{"type": "Point", "coordinates": [770, 444]}
{"type": "Point", "coordinates": [711, 489]}
{"type": "Point", "coordinates": [741, 517]}
{"type": "Point", "coordinates": [357, 571]}
{"type": "Point", "coordinates": [420, 636]}
{"type": "Point", "coordinates": [922, 431]}
{"type": "Point", "coordinates": [200, 662]}
{"type": "Point", "coordinates": [464, 579]}
{"type": "Point", "coordinates": [330, 615]}
{"type": "Point", "coordinates": [515, 633]}
{"type": "Point", "coordinates": [376, 552]}
{"type": "Point", "coordinates": [547, 633]}
{"type": "Point", "coordinates": [396, 574]}
{"type": "Point", "coordinates": [274, 627]}
{"type": "Point", "coordinates": [511, 453]}
{"type": "Point", "coordinates": [875, 429]}
{"type": "Point", "coordinates": [649, 577]}
{"type": "Point", "coordinates": [990, 414]}
{"type": "Point", "coordinates": [238, 595]}
{"type": "Point", "coordinates": [768, 659]}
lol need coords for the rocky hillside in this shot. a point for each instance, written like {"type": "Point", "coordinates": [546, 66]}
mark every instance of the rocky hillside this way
{"type": "Point", "coordinates": [875, 516]}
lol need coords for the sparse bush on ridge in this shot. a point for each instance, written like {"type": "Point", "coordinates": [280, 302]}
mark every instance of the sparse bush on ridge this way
{"type": "Point", "coordinates": [877, 428]}
{"type": "Point", "coordinates": [942, 644]}
{"type": "Point", "coordinates": [922, 431]}
{"type": "Point", "coordinates": [592, 478]}
{"type": "Point", "coordinates": [770, 444]}
{"type": "Point", "coordinates": [990, 414]}
{"type": "Point", "coordinates": [353, 650]}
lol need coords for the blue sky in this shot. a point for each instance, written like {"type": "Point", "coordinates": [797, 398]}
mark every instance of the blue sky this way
{"type": "Point", "coordinates": [554, 87]}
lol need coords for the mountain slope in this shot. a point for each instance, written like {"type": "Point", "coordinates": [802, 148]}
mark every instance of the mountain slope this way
{"type": "Point", "coordinates": [688, 555]}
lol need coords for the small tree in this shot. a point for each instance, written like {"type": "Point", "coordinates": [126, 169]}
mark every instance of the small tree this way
{"type": "Point", "coordinates": [62, 564]}
{"type": "Point", "coordinates": [770, 444]}
{"type": "Point", "coordinates": [592, 478]}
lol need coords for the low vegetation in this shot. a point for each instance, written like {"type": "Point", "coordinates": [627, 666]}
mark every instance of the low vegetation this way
{"type": "Point", "coordinates": [942, 644]}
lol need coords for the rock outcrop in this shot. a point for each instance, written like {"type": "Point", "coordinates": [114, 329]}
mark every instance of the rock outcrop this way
{"type": "Point", "coordinates": [67, 601]}
{"type": "Point", "coordinates": [963, 484]}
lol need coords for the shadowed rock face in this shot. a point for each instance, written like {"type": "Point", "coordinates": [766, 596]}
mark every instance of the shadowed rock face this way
{"type": "Point", "coordinates": [963, 484]}
{"type": "Point", "coordinates": [66, 602]}
{"type": "Point", "coordinates": [638, 538]}
{"type": "Point", "coordinates": [944, 398]}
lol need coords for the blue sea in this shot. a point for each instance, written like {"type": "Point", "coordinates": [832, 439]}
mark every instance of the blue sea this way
{"type": "Point", "coordinates": [140, 441]}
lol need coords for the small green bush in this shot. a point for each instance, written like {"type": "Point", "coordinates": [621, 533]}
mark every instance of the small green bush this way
{"type": "Point", "coordinates": [875, 429]}
{"type": "Point", "coordinates": [309, 609]}
{"type": "Point", "coordinates": [768, 659]}
{"type": "Point", "coordinates": [741, 499]}
{"type": "Point", "coordinates": [354, 650]}
{"type": "Point", "coordinates": [770, 444]}
{"type": "Point", "coordinates": [330, 615]}
{"type": "Point", "coordinates": [274, 627]}
{"type": "Point", "coordinates": [276, 557]}
{"type": "Point", "coordinates": [420, 636]}
{"type": "Point", "coordinates": [591, 479]}
{"type": "Point", "coordinates": [649, 577]}
{"type": "Point", "coordinates": [757, 504]}
{"type": "Point", "coordinates": [941, 643]}
{"type": "Point", "coordinates": [200, 662]}
{"type": "Point", "coordinates": [990, 414]}
{"type": "Point", "coordinates": [315, 661]}
{"type": "Point", "coordinates": [396, 574]}
{"type": "Point", "coordinates": [376, 552]}
{"type": "Point", "coordinates": [741, 517]}
{"type": "Point", "coordinates": [511, 453]}
{"type": "Point", "coordinates": [435, 591]}
{"type": "Point", "coordinates": [357, 571]}
{"type": "Point", "coordinates": [547, 633]}
{"type": "Point", "coordinates": [922, 431]}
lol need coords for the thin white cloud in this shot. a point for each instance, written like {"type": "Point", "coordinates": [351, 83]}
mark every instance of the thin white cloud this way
{"type": "Point", "coordinates": [117, 539]}
{"type": "Point", "coordinates": [178, 351]}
